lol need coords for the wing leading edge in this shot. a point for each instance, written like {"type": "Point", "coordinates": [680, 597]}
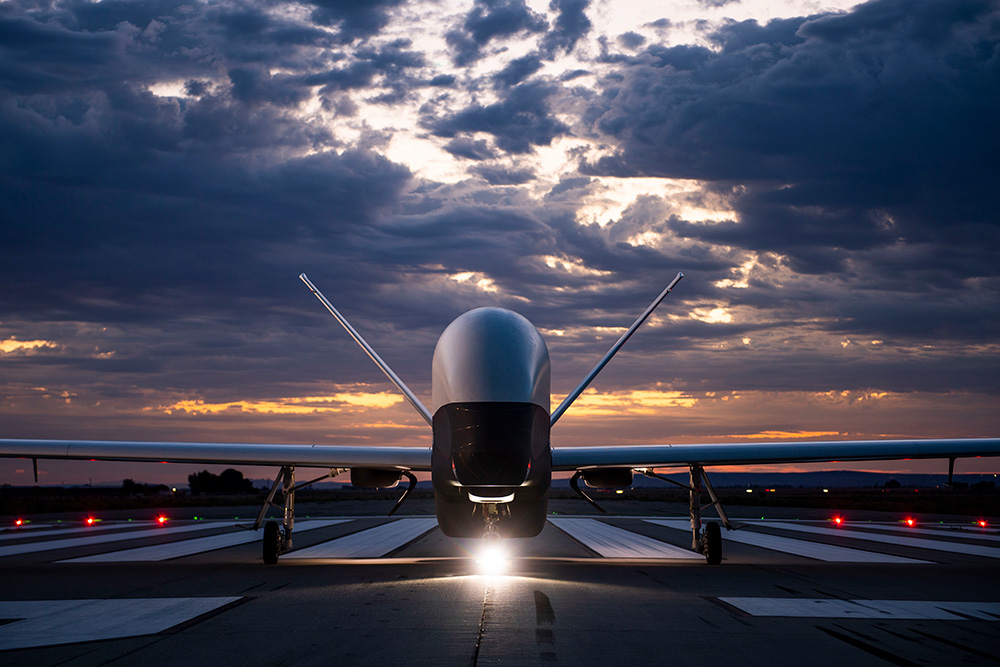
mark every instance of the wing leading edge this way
{"type": "Point", "coordinates": [746, 453]}
{"type": "Point", "coordinates": [317, 456]}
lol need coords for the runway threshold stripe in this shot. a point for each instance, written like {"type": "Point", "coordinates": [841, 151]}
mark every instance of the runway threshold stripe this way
{"type": "Point", "coordinates": [195, 546]}
{"type": "Point", "coordinates": [920, 543]}
{"type": "Point", "coordinates": [22, 533]}
{"type": "Point", "coordinates": [371, 543]}
{"type": "Point", "coordinates": [612, 542]}
{"type": "Point", "coordinates": [869, 609]}
{"type": "Point", "coordinates": [70, 542]}
{"type": "Point", "coordinates": [936, 531]}
{"type": "Point", "coordinates": [51, 622]}
{"type": "Point", "coordinates": [824, 552]}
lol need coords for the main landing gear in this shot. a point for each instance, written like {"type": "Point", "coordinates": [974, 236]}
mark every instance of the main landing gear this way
{"type": "Point", "coordinates": [278, 536]}
{"type": "Point", "coordinates": [709, 541]}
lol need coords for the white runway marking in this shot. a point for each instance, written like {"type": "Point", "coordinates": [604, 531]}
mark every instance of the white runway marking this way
{"type": "Point", "coordinates": [69, 542]}
{"type": "Point", "coordinates": [27, 533]}
{"type": "Point", "coordinates": [934, 531]}
{"type": "Point", "coordinates": [936, 545]}
{"type": "Point", "coordinates": [878, 609]}
{"type": "Point", "coordinates": [195, 546]}
{"type": "Point", "coordinates": [612, 542]}
{"type": "Point", "coordinates": [370, 543]}
{"type": "Point", "coordinates": [51, 622]}
{"type": "Point", "coordinates": [816, 550]}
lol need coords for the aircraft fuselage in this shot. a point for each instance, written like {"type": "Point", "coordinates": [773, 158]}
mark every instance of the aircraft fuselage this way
{"type": "Point", "coordinates": [491, 383]}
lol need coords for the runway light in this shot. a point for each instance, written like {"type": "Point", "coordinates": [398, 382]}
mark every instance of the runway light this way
{"type": "Point", "coordinates": [982, 523]}
{"type": "Point", "coordinates": [90, 520]}
{"type": "Point", "coordinates": [838, 520]}
{"type": "Point", "coordinates": [910, 521]}
{"type": "Point", "coordinates": [492, 560]}
{"type": "Point", "coordinates": [161, 519]}
{"type": "Point", "coordinates": [19, 522]}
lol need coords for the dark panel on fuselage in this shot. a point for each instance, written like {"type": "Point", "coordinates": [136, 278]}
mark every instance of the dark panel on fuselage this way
{"type": "Point", "coordinates": [494, 449]}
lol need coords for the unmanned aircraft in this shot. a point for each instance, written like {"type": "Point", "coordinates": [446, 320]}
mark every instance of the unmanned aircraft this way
{"type": "Point", "coordinates": [491, 459]}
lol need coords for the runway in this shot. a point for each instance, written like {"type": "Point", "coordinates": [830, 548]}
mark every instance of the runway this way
{"type": "Point", "coordinates": [589, 590]}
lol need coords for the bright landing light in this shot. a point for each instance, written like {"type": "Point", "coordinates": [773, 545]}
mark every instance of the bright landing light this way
{"type": "Point", "coordinates": [492, 560]}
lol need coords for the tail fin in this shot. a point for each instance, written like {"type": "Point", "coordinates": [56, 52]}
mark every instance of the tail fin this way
{"type": "Point", "coordinates": [573, 395]}
{"type": "Point", "coordinates": [410, 396]}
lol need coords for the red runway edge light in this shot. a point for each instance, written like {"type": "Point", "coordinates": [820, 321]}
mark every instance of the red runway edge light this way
{"type": "Point", "coordinates": [910, 521]}
{"type": "Point", "coordinates": [161, 520]}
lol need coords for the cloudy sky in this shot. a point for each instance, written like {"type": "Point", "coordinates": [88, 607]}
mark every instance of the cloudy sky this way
{"type": "Point", "coordinates": [824, 174]}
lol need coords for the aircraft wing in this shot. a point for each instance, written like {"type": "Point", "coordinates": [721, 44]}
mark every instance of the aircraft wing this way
{"type": "Point", "coordinates": [754, 453]}
{"type": "Point", "coordinates": [315, 456]}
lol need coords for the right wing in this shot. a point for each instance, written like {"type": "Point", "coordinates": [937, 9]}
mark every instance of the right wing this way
{"type": "Point", "coordinates": [315, 456]}
{"type": "Point", "coordinates": [757, 453]}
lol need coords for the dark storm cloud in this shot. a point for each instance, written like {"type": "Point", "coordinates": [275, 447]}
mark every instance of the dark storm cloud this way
{"type": "Point", "coordinates": [504, 176]}
{"type": "Point", "coordinates": [353, 18]}
{"type": "Point", "coordinates": [631, 40]}
{"type": "Point", "coordinates": [860, 130]}
{"type": "Point", "coordinates": [518, 70]}
{"type": "Point", "coordinates": [519, 122]}
{"type": "Point", "coordinates": [489, 20]}
{"type": "Point", "coordinates": [390, 64]}
{"type": "Point", "coordinates": [255, 85]}
{"type": "Point", "coordinates": [469, 149]}
{"type": "Point", "coordinates": [132, 197]}
{"type": "Point", "coordinates": [570, 25]}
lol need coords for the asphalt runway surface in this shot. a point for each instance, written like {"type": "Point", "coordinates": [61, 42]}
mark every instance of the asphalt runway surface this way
{"type": "Point", "coordinates": [624, 589]}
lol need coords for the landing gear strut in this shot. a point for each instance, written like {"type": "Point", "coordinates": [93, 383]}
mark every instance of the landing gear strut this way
{"type": "Point", "coordinates": [278, 537]}
{"type": "Point", "coordinates": [708, 542]}
{"type": "Point", "coordinates": [491, 516]}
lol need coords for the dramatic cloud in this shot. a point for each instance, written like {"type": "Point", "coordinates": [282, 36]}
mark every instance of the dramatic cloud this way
{"type": "Point", "coordinates": [823, 178]}
{"type": "Point", "coordinates": [845, 132]}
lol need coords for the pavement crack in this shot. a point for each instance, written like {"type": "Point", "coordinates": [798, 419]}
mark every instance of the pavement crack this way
{"type": "Point", "coordinates": [482, 628]}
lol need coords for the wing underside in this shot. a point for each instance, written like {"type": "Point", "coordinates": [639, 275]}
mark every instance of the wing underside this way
{"type": "Point", "coordinates": [563, 458]}
{"type": "Point", "coordinates": [754, 453]}
{"type": "Point", "coordinates": [317, 456]}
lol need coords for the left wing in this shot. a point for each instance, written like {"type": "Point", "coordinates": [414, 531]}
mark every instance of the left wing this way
{"type": "Point", "coordinates": [747, 453]}
{"type": "Point", "coordinates": [316, 456]}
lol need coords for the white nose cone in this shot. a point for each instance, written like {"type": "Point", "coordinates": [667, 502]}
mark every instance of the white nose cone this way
{"type": "Point", "coordinates": [491, 354]}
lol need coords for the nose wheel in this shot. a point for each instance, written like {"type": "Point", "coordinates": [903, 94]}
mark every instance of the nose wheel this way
{"type": "Point", "coordinates": [491, 514]}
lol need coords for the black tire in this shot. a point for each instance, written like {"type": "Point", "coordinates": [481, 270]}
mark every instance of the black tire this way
{"type": "Point", "coordinates": [713, 543]}
{"type": "Point", "coordinates": [272, 542]}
